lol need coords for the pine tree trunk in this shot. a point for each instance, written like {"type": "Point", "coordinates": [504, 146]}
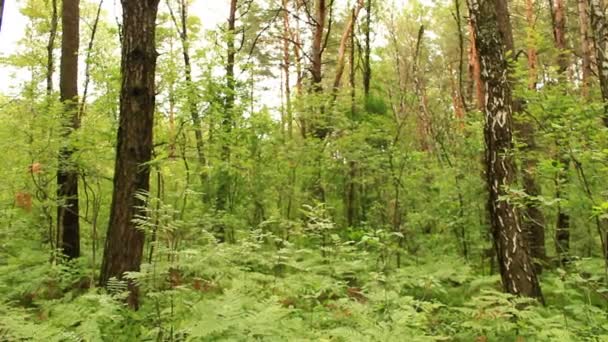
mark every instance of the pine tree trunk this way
{"type": "Point", "coordinates": [475, 69]}
{"type": "Point", "coordinates": [583, 15]}
{"type": "Point", "coordinates": [125, 242]}
{"type": "Point", "coordinates": [287, 70]}
{"type": "Point", "coordinates": [224, 178]}
{"type": "Point", "coordinates": [67, 174]}
{"type": "Point", "coordinates": [516, 267]}
{"type": "Point", "coordinates": [367, 68]}
{"type": "Point", "coordinates": [534, 220]}
{"type": "Point", "coordinates": [599, 25]}
{"type": "Point", "coordinates": [50, 59]}
{"type": "Point", "coordinates": [562, 230]}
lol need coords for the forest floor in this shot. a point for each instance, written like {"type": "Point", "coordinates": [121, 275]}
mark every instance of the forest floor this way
{"type": "Point", "coordinates": [252, 291]}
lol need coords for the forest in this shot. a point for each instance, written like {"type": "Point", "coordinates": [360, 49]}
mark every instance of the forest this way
{"type": "Point", "coordinates": [304, 170]}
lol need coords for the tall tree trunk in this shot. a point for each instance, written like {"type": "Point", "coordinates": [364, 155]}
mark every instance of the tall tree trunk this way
{"type": "Point", "coordinates": [50, 59]}
{"type": "Point", "coordinates": [1, 12]}
{"type": "Point", "coordinates": [125, 242]}
{"type": "Point", "coordinates": [599, 26]}
{"type": "Point", "coordinates": [352, 218]}
{"type": "Point", "coordinates": [192, 97]}
{"type": "Point", "coordinates": [67, 174]}
{"type": "Point", "coordinates": [287, 70]}
{"type": "Point", "coordinates": [367, 68]}
{"type": "Point", "coordinates": [562, 231]}
{"type": "Point", "coordinates": [224, 188]}
{"type": "Point", "coordinates": [344, 41]}
{"type": "Point", "coordinates": [516, 268]}
{"type": "Point", "coordinates": [475, 69]}
{"type": "Point", "coordinates": [318, 125]}
{"type": "Point", "coordinates": [533, 220]}
{"type": "Point", "coordinates": [583, 15]}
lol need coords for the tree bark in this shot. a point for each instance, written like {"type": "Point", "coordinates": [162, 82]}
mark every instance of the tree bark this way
{"type": "Point", "coordinates": [367, 68]}
{"type": "Point", "coordinates": [1, 12]}
{"type": "Point", "coordinates": [287, 70]}
{"type": "Point", "coordinates": [224, 188]}
{"type": "Point", "coordinates": [344, 40]}
{"type": "Point", "coordinates": [599, 26]}
{"type": "Point", "coordinates": [125, 242]}
{"type": "Point", "coordinates": [516, 268]}
{"type": "Point", "coordinates": [50, 59]}
{"type": "Point", "coordinates": [534, 220]}
{"type": "Point", "coordinates": [475, 69]}
{"type": "Point", "coordinates": [192, 97]}
{"type": "Point", "coordinates": [583, 15]}
{"type": "Point", "coordinates": [562, 231]}
{"type": "Point", "coordinates": [319, 122]}
{"type": "Point", "coordinates": [67, 174]}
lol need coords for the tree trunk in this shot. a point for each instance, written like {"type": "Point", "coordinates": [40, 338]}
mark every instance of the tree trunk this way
{"type": "Point", "coordinates": [318, 123]}
{"type": "Point", "coordinates": [344, 40]}
{"type": "Point", "coordinates": [224, 188]}
{"type": "Point", "coordinates": [67, 174]}
{"type": "Point", "coordinates": [562, 231]}
{"type": "Point", "coordinates": [516, 268]}
{"type": "Point", "coordinates": [286, 70]}
{"type": "Point", "coordinates": [534, 220]}
{"type": "Point", "coordinates": [600, 34]}
{"type": "Point", "coordinates": [125, 242]}
{"type": "Point", "coordinates": [367, 68]}
{"type": "Point", "coordinates": [583, 15]}
{"type": "Point", "coordinates": [475, 69]}
{"type": "Point", "coordinates": [50, 60]}
{"type": "Point", "coordinates": [192, 97]}
{"type": "Point", "coordinates": [1, 12]}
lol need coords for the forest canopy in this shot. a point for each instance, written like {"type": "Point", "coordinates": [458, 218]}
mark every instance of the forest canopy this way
{"type": "Point", "coordinates": [304, 170]}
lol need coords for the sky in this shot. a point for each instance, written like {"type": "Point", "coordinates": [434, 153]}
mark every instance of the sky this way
{"type": "Point", "coordinates": [211, 12]}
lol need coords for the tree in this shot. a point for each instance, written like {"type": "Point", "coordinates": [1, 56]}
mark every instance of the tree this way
{"type": "Point", "coordinates": [124, 241]}
{"type": "Point", "coordinates": [1, 12]}
{"type": "Point", "coordinates": [534, 220]}
{"type": "Point", "coordinates": [599, 26]}
{"type": "Point", "coordinates": [227, 124]}
{"type": "Point", "coordinates": [68, 214]}
{"type": "Point", "coordinates": [516, 268]}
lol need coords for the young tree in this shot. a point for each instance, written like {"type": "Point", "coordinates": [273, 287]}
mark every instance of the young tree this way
{"type": "Point", "coordinates": [227, 124]}
{"type": "Point", "coordinates": [125, 242]}
{"type": "Point", "coordinates": [516, 268]}
{"type": "Point", "coordinates": [67, 175]}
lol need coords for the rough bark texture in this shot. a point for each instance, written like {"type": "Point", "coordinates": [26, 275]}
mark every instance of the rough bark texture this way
{"type": "Point", "coordinates": [67, 174]}
{"type": "Point", "coordinates": [516, 268]}
{"type": "Point", "coordinates": [125, 242]}
{"type": "Point", "coordinates": [533, 221]}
